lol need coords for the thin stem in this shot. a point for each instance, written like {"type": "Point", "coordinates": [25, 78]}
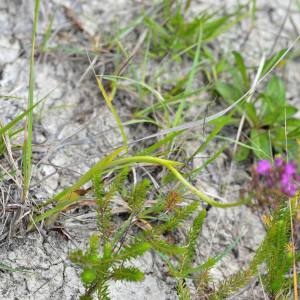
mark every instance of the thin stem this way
{"type": "Point", "coordinates": [170, 166]}
{"type": "Point", "coordinates": [295, 276]}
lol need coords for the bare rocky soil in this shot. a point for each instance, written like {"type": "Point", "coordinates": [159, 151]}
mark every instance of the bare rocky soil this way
{"type": "Point", "coordinates": [74, 129]}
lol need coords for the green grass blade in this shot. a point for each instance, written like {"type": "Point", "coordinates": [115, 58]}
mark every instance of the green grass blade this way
{"type": "Point", "coordinates": [67, 197]}
{"type": "Point", "coordinates": [182, 105]}
{"type": "Point", "coordinates": [108, 100]}
{"type": "Point", "coordinates": [96, 169]}
{"type": "Point", "coordinates": [16, 120]}
{"type": "Point", "coordinates": [158, 96]}
{"type": "Point", "coordinates": [27, 146]}
{"type": "Point", "coordinates": [169, 138]}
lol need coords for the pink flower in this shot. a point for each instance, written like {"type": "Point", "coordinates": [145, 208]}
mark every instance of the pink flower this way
{"type": "Point", "coordinates": [283, 175]}
{"type": "Point", "coordinates": [289, 189]}
{"type": "Point", "coordinates": [263, 167]}
{"type": "Point", "coordinates": [290, 169]}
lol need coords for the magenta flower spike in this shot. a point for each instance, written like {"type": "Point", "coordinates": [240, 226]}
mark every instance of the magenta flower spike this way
{"type": "Point", "coordinates": [263, 167]}
{"type": "Point", "coordinates": [290, 169]}
{"type": "Point", "coordinates": [282, 175]}
{"type": "Point", "coordinates": [289, 189]}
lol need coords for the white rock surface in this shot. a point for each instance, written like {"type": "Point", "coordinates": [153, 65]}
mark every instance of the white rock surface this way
{"type": "Point", "coordinates": [9, 50]}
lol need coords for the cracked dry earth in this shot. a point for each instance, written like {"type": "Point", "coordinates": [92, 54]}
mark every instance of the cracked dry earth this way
{"type": "Point", "coordinates": [73, 129]}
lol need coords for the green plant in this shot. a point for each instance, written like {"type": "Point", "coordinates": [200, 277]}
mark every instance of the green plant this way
{"type": "Point", "coordinates": [270, 124]}
{"type": "Point", "coordinates": [111, 250]}
{"type": "Point", "coordinates": [275, 252]}
{"type": "Point", "coordinates": [278, 258]}
{"type": "Point", "coordinates": [98, 268]}
{"type": "Point", "coordinates": [172, 38]}
{"type": "Point", "coordinates": [171, 33]}
{"type": "Point", "coordinates": [184, 267]}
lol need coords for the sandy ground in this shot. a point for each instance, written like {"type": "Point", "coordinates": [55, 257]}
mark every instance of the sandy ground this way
{"type": "Point", "coordinates": [74, 129]}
